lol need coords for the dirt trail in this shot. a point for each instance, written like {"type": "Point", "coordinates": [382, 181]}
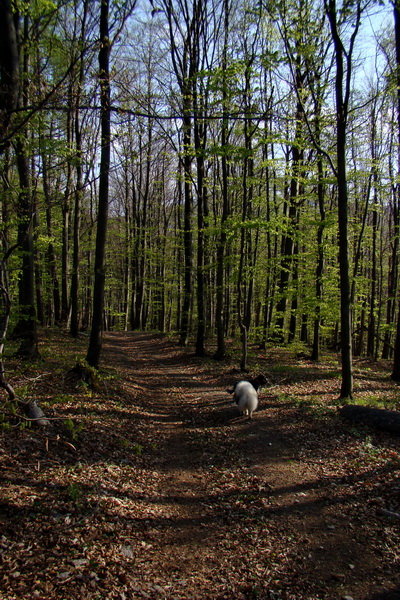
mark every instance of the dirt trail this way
{"type": "Point", "coordinates": [245, 517]}
{"type": "Point", "coordinates": [158, 489]}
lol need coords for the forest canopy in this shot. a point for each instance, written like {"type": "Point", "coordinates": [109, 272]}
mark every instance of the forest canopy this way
{"type": "Point", "coordinates": [242, 138]}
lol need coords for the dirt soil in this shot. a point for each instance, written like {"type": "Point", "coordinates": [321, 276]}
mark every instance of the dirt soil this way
{"type": "Point", "coordinates": [154, 486]}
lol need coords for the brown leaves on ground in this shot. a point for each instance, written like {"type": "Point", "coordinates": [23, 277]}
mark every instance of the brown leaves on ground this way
{"type": "Point", "coordinates": [154, 487]}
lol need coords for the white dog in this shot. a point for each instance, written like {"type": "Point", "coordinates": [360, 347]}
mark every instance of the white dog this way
{"type": "Point", "coordinates": [246, 397]}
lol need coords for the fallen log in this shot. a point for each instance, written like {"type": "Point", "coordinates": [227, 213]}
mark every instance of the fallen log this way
{"type": "Point", "coordinates": [378, 418]}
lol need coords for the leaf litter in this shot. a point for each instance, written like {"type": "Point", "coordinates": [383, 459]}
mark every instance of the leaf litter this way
{"type": "Point", "coordinates": [153, 486]}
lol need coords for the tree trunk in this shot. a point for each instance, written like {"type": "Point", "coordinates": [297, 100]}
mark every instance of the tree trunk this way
{"type": "Point", "coordinates": [51, 254]}
{"type": "Point", "coordinates": [200, 136]}
{"type": "Point", "coordinates": [74, 325]}
{"type": "Point", "coordinates": [66, 210]}
{"type": "Point", "coordinates": [342, 93]}
{"type": "Point", "coordinates": [25, 329]}
{"type": "Point", "coordinates": [289, 244]}
{"type": "Point", "coordinates": [187, 225]}
{"type": "Point", "coordinates": [220, 292]}
{"type": "Point", "coordinates": [396, 9]}
{"type": "Point", "coordinates": [245, 283]}
{"type": "Point", "coordinates": [320, 260]}
{"type": "Point", "coordinates": [270, 283]}
{"type": "Point", "coordinates": [95, 343]}
{"type": "Point", "coordinates": [9, 67]}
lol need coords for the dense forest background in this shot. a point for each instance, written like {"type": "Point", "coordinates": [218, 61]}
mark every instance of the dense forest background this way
{"type": "Point", "coordinates": [221, 167]}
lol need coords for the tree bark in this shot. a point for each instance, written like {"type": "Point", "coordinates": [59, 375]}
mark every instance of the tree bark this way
{"type": "Point", "coordinates": [25, 330]}
{"type": "Point", "coordinates": [200, 136]}
{"type": "Point", "coordinates": [320, 260]}
{"type": "Point", "coordinates": [95, 343]}
{"type": "Point", "coordinates": [219, 311]}
{"type": "Point", "coordinates": [396, 11]}
{"type": "Point", "coordinates": [342, 93]}
{"type": "Point", "coordinates": [185, 67]}
{"type": "Point", "coordinates": [289, 243]}
{"type": "Point", "coordinates": [74, 325]}
{"type": "Point", "coordinates": [9, 67]}
{"type": "Point", "coordinates": [51, 254]}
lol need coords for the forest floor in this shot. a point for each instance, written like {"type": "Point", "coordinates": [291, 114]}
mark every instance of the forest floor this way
{"type": "Point", "coordinates": [153, 486]}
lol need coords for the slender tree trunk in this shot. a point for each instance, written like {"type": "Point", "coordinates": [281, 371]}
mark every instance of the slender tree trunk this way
{"type": "Point", "coordinates": [184, 59]}
{"type": "Point", "coordinates": [295, 299]}
{"type": "Point", "coordinates": [241, 282]}
{"type": "Point", "coordinates": [342, 92]}
{"type": "Point", "coordinates": [66, 210]}
{"type": "Point", "coordinates": [200, 143]}
{"type": "Point", "coordinates": [394, 229]}
{"type": "Point", "coordinates": [74, 325]}
{"type": "Point", "coordinates": [187, 225]}
{"type": "Point", "coordinates": [141, 234]}
{"type": "Point", "coordinates": [51, 254]}
{"type": "Point", "coordinates": [269, 286]}
{"type": "Point", "coordinates": [391, 306]}
{"type": "Point", "coordinates": [396, 359]}
{"type": "Point", "coordinates": [25, 329]}
{"type": "Point", "coordinates": [245, 283]}
{"type": "Point", "coordinates": [289, 241]}
{"type": "Point", "coordinates": [128, 254]}
{"type": "Point", "coordinates": [320, 260]}
{"type": "Point", "coordinates": [371, 341]}
{"type": "Point", "coordinates": [345, 303]}
{"type": "Point", "coordinates": [220, 292]}
{"type": "Point", "coordinates": [37, 265]}
{"type": "Point", "coordinates": [95, 343]}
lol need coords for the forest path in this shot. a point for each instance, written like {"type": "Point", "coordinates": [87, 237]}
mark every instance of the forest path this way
{"type": "Point", "coordinates": [237, 512]}
{"type": "Point", "coordinates": [153, 487]}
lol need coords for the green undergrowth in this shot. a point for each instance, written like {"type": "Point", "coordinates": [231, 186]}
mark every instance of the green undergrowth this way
{"type": "Point", "coordinates": [313, 406]}
{"type": "Point", "coordinates": [376, 401]}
